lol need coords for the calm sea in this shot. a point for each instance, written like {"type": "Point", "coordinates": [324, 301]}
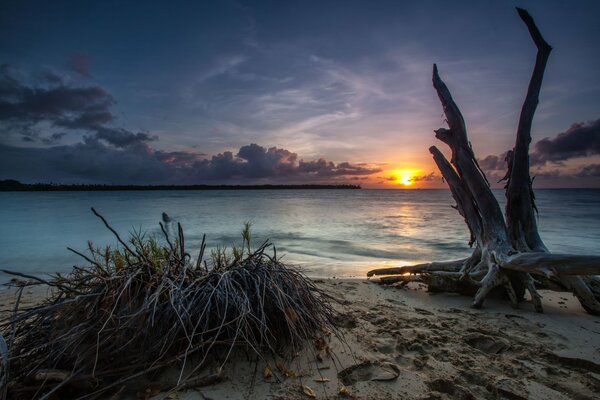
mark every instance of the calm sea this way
{"type": "Point", "coordinates": [341, 233]}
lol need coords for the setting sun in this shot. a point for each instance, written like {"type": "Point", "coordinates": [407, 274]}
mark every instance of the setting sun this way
{"type": "Point", "coordinates": [404, 177]}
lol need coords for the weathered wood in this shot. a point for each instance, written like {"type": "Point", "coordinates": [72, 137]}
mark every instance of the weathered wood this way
{"type": "Point", "coordinates": [464, 201]}
{"type": "Point", "coordinates": [552, 264]}
{"type": "Point", "coordinates": [536, 298]}
{"type": "Point", "coordinates": [586, 296]}
{"type": "Point", "coordinates": [520, 206]}
{"type": "Point", "coordinates": [436, 282]}
{"type": "Point", "coordinates": [447, 266]}
{"type": "Point", "coordinates": [494, 243]}
{"type": "Point", "coordinates": [508, 248]}
{"type": "Point", "coordinates": [466, 165]}
{"type": "Point", "coordinates": [52, 375]}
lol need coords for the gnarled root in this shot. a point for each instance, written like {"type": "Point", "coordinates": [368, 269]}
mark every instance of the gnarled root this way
{"type": "Point", "coordinates": [509, 249]}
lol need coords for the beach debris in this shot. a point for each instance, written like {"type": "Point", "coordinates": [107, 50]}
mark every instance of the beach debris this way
{"type": "Point", "coordinates": [309, 391]}
{"type": "Point", "coordinates": [323, 348]}
{"type": "Point", "coordinates": [344, 391]}
{"type": "Point", "coordinates": [508, 250]}
{"type": "Point", "coordinates": [145, 306]}
{"type": "Point", "coordinates": [267, 372]}
{"type": "Point", "coordinates": [285, 371]}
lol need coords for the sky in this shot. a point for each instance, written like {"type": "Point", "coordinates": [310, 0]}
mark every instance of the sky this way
{"type": "Point", "coordinates": [257, 92]}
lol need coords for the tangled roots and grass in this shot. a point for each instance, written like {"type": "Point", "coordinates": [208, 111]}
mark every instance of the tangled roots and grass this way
{"type": "Point", "coordinates": [144, 306]}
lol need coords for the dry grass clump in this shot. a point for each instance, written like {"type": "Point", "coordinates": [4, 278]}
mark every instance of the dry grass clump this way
{"type": "Point", "coordinates": [145, 306]}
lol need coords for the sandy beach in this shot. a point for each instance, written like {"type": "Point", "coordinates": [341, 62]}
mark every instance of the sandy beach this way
{"type": "Point", "coordinates": [196, 196]}
{"type": "Point", "coordinates": [404, 343]}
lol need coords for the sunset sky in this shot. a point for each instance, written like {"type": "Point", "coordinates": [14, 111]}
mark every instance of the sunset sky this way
{"type": "Point", "coordinates": [288, 91]}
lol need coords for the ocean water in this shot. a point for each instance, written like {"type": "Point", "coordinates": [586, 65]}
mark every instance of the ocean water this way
{"type": "Point", "coordinates": [342, 233]}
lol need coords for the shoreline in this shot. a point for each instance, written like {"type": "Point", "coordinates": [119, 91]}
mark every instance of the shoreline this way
{"type": "Point", "coordinates": [441, 347]}
{"type": "Point", "coordinates": [11, 185]}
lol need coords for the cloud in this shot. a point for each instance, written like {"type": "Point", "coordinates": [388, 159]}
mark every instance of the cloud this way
{"type": "Point", "coordinates": [44, 112]}
{"type": "Point", "coordinates": [426, 178]}
{"type": "Point", "coordinates": [261, 162]}
{"type": "Point", "coordinates": [314, 101]}
{"type": "Point", "coordinates": [119, 137]}
{"type": "Point", "coordinates": [80, 63]}
{"type": "Point", "coordinates": [256, 162]}
{"type": "Point", "coordinates": [580, 140]}
{"type": "Point", "coordinates": [324, 168]}
{"type": "Point", "coordinates": [589, 171]}
{"type": "Point", "coordinates": [550, 174]}
{"type": "Point", "coordinates": [86, 120]}
{"type": "Point", "coordinates": [52, 139]}
{"type": "Point", "coordinates": [90, 161]}
{"type": "Point", "coordinates": [58, 105]}
{"type": "Point", "coordinates": [222, 65]}
{"type": "Point", "coordinates": [493, 163]}
{"type": "Point", "coordinates": [51, 77]}
{"type": "Point", "coordinates": [177, 158]}
{"type": "Point", "coordinates": [96, 161]}
{"type": "Point", "coordinates": [418, 178]}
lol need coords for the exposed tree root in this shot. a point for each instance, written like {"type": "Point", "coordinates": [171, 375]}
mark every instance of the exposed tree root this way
{"type": "Point", "coordinates": [147, 306]}
{"type": "Point", "coordinates": [508, 248]}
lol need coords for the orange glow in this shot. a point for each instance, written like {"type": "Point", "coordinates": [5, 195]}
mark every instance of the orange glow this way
{"type": "Point", "coordinates": [404, 177]}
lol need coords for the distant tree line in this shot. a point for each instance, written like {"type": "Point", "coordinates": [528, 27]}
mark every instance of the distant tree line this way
{"type": "Point", "coordinates": [11, 185]}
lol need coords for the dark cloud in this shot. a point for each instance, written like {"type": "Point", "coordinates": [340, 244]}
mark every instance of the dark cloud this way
{"type": "Point", "coordinates": [80, 63]}
{"type": "Point", "coordinates": [87, 109]}
{"type": "Point", "coordinates": [94, 160]}
{"type": "Point", "coordinates": [589, 171]}
{"type": "Point", "coordinates": [426, 178]}
{"type": "Point", "coordinates": [493, 163]}
{"type": "Point", "coordinates": [54, 138]}
{"type": "Point", "coordinates": [257, 162]}
{"type": "Point", "coordinates": [579, 140]}
{"type": "Point", "coordinates": [50, 77]}
{"type": "Point", "coordinates": [88, 161]}
{"type": "Point", "coordinates": [112, 154]}
{"type": "Point", "coordinates": [57, 104]}
{"type": "Point", "coordinates": [33, 135]}
{"type": "Point", "coordinates": [119, 137]}
{"type": "Point", "coordinates": [262, 163]}
{"type": "Point", "coordinates": [87, 120]}
{"type": "Point", "coordinates": [551, 174]}
{"type": "Point", "coordinates": [54, 104]}
{"type": "Point", "coordinates": [324, 168]}
{"type": "Point", "coordinates": [179, 158]}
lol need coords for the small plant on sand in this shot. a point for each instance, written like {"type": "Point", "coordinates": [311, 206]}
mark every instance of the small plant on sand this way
{"type": "Point", "coordinates": [144, 306]}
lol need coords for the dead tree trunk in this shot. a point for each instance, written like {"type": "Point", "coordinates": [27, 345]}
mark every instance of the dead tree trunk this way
{"type": "Point", "coordinates": [508, 248]}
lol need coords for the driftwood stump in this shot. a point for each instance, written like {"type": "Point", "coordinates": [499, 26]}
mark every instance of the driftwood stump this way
{"type": "Point", "coordinates": [508, 250]}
